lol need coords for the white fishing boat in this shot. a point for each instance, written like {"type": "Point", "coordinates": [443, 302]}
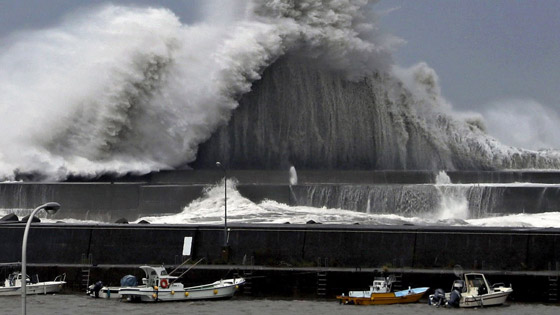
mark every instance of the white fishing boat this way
{"type": "Point", "coordinates": [473, 290]}
{"type": "Point", "coordinates": [12, 285]}
{"type": "Point", "coordinates": [160, 286]}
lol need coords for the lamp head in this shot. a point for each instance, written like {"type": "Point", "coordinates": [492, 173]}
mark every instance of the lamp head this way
{"type": "Point", "coordinates": [218, 164]}
{"type": "Point", "coordinates": [51, 207]}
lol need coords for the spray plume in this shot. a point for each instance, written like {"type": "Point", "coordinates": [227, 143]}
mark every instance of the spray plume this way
{"type": "Point", "coordinates": [121, 89]}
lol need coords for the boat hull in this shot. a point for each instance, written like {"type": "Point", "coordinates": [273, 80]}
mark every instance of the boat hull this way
{"type": "Point", "coordinates": [381, 299]}
{"type": "Point", "coordinates": [223, 289]}
{"type": "Point", "coordinates": [491, 299]}
{"type": "Point", "coordinates": [38, 288]}
{"type": "Point", "coordinates": [143, 294]}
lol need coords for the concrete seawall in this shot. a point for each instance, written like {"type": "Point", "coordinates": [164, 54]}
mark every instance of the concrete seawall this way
{"type": "Point", "coordinates": [292, 253]}
{"type": "Point", "coordinates": [353, 246]}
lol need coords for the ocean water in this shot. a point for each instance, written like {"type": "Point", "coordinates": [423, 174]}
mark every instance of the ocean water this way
{"type": "Point", "coordinates": [81, 304]}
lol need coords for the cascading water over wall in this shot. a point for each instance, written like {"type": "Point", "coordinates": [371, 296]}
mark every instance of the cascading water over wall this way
{"type": "Point", "coordinates": [301, 113]}
{"type": "Point", "coordinates": [440, 200]}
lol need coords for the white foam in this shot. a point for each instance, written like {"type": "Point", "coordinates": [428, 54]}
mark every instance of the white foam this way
{"type": "Point", "coordinates": [209, 209]}
{"type": "Point", "coordinates": [123, 89]}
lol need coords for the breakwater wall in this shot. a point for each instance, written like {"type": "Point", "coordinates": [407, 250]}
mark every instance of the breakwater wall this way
{"type": "Point", "coordinates": [110, 201]}
{"type": "Point", "coordinates": [306, 176]}
{"type": "Point", "coordinates": [354, 246]}
{"type": "Point", "coordinates": [296, 253]}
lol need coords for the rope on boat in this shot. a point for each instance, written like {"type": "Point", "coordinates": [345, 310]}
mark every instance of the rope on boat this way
{"type": "Point", "coordinates": [191, 267]}
{"type": "Point", "coordinates": [184, 262]}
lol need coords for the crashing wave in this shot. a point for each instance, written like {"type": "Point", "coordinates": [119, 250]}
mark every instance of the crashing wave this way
{"type": "Point", "coordinates": [132, 90]}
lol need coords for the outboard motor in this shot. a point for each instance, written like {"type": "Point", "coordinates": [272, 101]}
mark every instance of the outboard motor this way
{"type": "Point", "coordinates": [455, 295]}
{"type": "Point", "coordinates": [95, 288]}
{"type": "Point", "coordinates": [438, 298]}
{"type": "Point", "coordinates": [454, 298]}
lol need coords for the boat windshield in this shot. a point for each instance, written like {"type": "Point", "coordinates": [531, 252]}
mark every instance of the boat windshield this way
{"type": "Point", "coordinates": [163, 273]}
{"type": "Point", "coordinates": [476, 281]}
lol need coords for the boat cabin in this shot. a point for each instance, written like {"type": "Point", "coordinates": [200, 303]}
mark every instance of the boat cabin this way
{"type": "Point", "coordinates": [155, 276]}
{"type": "Point", "coordinates": [474, 284]}
{"type": "Point", "coordinates": [380, 285]}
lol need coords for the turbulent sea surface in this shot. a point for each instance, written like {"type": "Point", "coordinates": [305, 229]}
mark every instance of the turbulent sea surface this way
{"type": "Point", "coordinates": [210, 209]}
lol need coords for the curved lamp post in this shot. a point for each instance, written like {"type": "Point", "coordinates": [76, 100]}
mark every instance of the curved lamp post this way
{"type": "Point", "coordinates": [51, 208]}
{"type": "Point", "coordinates": [218, 164]}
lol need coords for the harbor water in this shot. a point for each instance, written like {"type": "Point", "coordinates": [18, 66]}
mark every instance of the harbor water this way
{"type": "Point", "coordinates": [81, 304]}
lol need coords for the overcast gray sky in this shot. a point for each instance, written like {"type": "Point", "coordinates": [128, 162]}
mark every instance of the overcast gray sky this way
{"type": "Point", "coordinates": [483, 51]}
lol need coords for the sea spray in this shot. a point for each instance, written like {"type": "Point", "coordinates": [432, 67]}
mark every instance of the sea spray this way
{"type": "Point", "coordinates": [116, 89]}
{"type": "Point", "coordinates": [293, 176]}
{"type": "Point", "coordinates": [119, 89]}
{"type": "Point", "coordinates": [453, 199]}
{"type": "Point", "coordinates": [303, 114]}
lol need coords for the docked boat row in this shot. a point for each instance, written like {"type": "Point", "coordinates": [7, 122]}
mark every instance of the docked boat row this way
{"type": "Point", "coordinates": [471, 290]}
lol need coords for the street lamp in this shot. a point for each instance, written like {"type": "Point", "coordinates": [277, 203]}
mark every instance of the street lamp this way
{"type": "Point", "coordinates": [218, 164]}
{"type": "Point", "coordinates": [51, 208]}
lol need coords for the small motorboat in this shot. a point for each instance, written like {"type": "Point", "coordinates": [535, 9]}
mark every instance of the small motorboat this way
{"type": "Point", "coordinates": [380, 293]}
{"type": "Point", "coordinates": [12, 285]}
{"type": "Point", "coordinates": [158, 285]}
{"type": "Point", "coordinates": [473, 290]}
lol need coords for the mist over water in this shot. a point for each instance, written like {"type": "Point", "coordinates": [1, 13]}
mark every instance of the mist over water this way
{"type": "Point", "coordinates": [524, 123]}
{"type": "Point", "coordinates": [115, 89]}
{"type": "Point", "coordinates": [121, 89]}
